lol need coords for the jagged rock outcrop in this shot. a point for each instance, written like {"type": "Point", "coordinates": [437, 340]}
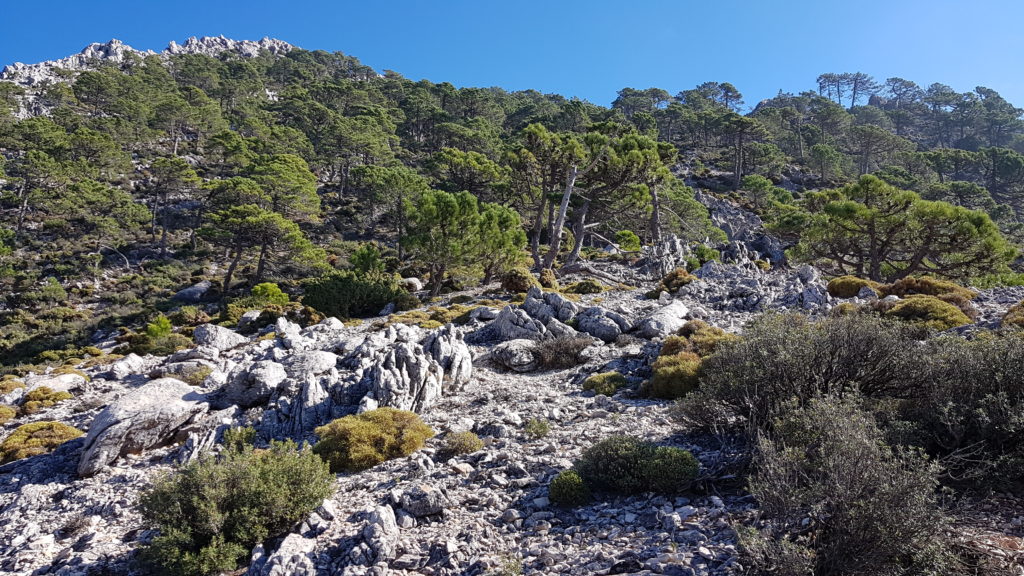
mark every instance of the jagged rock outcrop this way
{"type": "Point", "coordinates": [252, 385]}
{"type": "Point", "coordinates": [517, 355]}
{"type": "Point", "coordinates": [143, 418]}
{"type": "Point", "coordinates": [294, 557]}
{"type": "Point", "coordinates": [742, 226]}
{"type": "Point", "coordinates": [381, 533]}
{"type": "Point", "coordinates": [746, 288]}
{"type": "Point", "coordinates": [602, 323]}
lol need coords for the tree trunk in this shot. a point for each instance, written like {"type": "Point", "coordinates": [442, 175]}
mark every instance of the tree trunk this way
{"type": "Point", "coordinates": [261, 266]}
{"type": "Point", "coordinates": [738, 164]}
{"type": "Point", "coordinates": [438, 280]}
{"type": "Point", "coordinates": [22, 210]}
{"type": "Point", "coordinates": [230, 273]}
{"type": "Point", "coordinates": [538, 225]}
{"type": "Point", "coordinates": [580, 230]}
{"type": "Point", "coordinates": [563, 208]}
{"type": "Point", "coordinates": [655, 224]}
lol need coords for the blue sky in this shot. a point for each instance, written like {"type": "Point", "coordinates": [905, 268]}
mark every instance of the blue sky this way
{"type": "Point", "coordinates": [577, 48]}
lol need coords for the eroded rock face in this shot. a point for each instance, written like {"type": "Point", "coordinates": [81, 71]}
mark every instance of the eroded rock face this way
{"type": "Point", "coordinates": [294, 557]}
{"type": "Point", "coordinates": [143, 418]}
{"type": "Point", "coordinates": [602, 323]}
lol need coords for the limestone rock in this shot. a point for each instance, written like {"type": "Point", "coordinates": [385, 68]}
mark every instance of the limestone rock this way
{"type": "Point", "coordinates": [601, 323]}
{"type": "Point", "coordinates": [381, 533]}
{"type": "Point", "coordinates": [145, 417]}
{"type": "Point", "coordinates": [130, 364]}
{"type": "Point", "coordinates": [294, 557]}
{"type": "Point", "coordinates": [253, 385]}
{"type": "Point", "coordinates": [193, 294]}
{"type": "Point", "coordinates": [423, 500]}
{"type": "Point", "coordinates": [518, 355]}
{"type": "Point", "coordinates": [663, 321]}
{"type": "Point", "coordinates": [217, 337]}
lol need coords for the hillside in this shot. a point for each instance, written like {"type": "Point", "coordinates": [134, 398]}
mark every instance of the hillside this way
{"type": "Point", "coordinates": [521, 333]}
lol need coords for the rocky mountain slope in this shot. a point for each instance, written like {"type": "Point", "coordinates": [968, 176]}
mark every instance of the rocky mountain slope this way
{"type": "Point", "coordinates": [72, 511]}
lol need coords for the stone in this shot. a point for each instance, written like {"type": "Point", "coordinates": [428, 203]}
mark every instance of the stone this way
{"type": "Point", "coordinates": [217, 337]}
{"type": "Point", "coordinates": [411, 284]}
{"type": "Point", "coordinates": [518, 355]}
{"type": "Point", "coordinates": [146, 417]}
{"type": "Point", "coordinates": [663, 321]}
{"type": "Point", "coordinates": [293, 557]}
{"type": "Point", "coordinates": [381, 533]}
{"type": "Point", "coordinates": [423, 500]}
{"type": "Point", "coordinates": [511, 324]}
{"type": "Point", "coordinates": [602, 324]}
{"type": "Point", "coordinates": [193, 294]}
{"type": "Point", "coordinates": [252, 385]}
{"type": "Point", "coordinates": [248, 319]}
{"type": "Point", "coordinates": [312, 362]}
{"type": "Point", "coordinates": [127, 366]}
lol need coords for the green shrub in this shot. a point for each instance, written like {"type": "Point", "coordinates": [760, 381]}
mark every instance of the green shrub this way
{"type": "Point", "coordinates": [212, 512]}
{"type": "Point", "coordinates": [270, 293]}
{"type": "Point", "coordinates": [561, 352]}
{"type": "Point", "coordinates": [850, 286]}
{"type": "Point", "coordinates": [587, 286]}
{"type": "Point", "coordinates": [366, 259]}
{"type": "Point", "coordinates": [628, 465]}
{"type": "Point", "coordinates": [548, 279]}
{"type": "Point", "coordinates": [705, 339]}
{"type": "Point", "coordinates": [627, 240]}
{"type": "Point", "coordinates": [928, 311]}
{"type": "Point", "coordinates": [672, 282]}
{"type": "Point", "coordinates": [568, 489]}
{"type": "Point", "coordinates": [536, 428]}
{"type": "Point", "coordinates": [158, 328]}
{"type": "Point", "coordinates": [926, 286]}
{"type": "Point", "coordinates": [459, 443]}
{"type": "Point", "coordinates": [606, 383]}
{"type": "Point", "coordinates": [827, 475]}
{"type": "Point", "coordinates": [7, 413]}
{"type": "Point", "coordinates": [406, 301]}
{"type": "Point", "coordinates": [347, 294]}
{"type": "Point", "coordinates": [518, 280]}
{"type": "Point", "coordinates": [237, 439]}
{"type": "Point", "coordinates": [42, 397]}
{"type": "Point", "coordinates": [1014, 317]}
{"type": "Point", "coordinates": [195, 377]}
{"type": "Point", "coordinates": [361, 441]}
{"type": "Point", "coordinates": [34, 439]}
{"type": "Point", "coordinates": [763, 265]}
{"type": "Point", "coordinates": [706, 254]}
{"type": "Point", "coordinates": [189, 316]}
{"type": "Point", "coordinates": [674, 376]}
{"type": "Point", "coordinates": [143, 344]}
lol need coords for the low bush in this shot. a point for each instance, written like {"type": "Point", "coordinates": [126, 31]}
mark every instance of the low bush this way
{"type": "Point", "coordinates": [568, 489]}
{"type": "Point", "coordinates": [561, 352]}
{"type": "Point", "coordinates": [926, 286]}
{"type": "Point", "coordinates": [270, 293]}
{"type": "Point", "coordinates": [704, 339]}
{"type": "Point", "coordinates": [850, 286]}
{"type": "Point", "coordinates": [826, 479]}
{"type": "Point", "coordinates": [361, 441]}
{"type": "Point", "coordinates": [627, 240]}
{"type": "Point", "coordinates": [928, 311]}
{"type": "Point", "coordinates": [606, 383]}
{"type": "Point", "coordinates": [705, 254]}
{"type": "Point", "coordinates": [7, 413]}
{"type": "Point", "coordinates": [628, 465]}
{"type": "Point", "coordinates": [35, 438]}
{"type": "Point", "coordinates": [672, 282]}
{"type": "Point", "coordinates": [433, 317]}
{"type": "Point", "coordinates": [210, 513]}
{"type": "Point", "coordinates": [548, 279]}
{"type": "Point", "coordinates": [189, 316]}
{"type": "Point", "coordinates": [518, 280]}
{"type": "Point", "coordinates": [536, 428]}
{"type": "Point", "coordinates": [347, 294]}
{"type": "Point", "coordinates": [587, 286]}
{"type": "Point", "coordinates": [42, 397]}
{"type": "Point", "coordinates": [674, 376]}
{"type": "Point", "coordinates": [143, 344]}
{"type": "Point", "coordinates": [1014, 317]}
{"type": "Point", "coordinates": [8, 385]}
{"type": "Point", "coordinates": [459, 443]}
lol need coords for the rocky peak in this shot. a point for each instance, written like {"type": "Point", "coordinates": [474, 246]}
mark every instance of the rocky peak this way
{"type": "Point", "coordinates": [213, 45]}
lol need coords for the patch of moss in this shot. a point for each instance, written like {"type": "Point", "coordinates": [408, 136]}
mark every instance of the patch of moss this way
{"type": "Point", "coordinates": [587, 286]}
{"type": "Point", "coordinates": [9, 385]}
{"type": "Point", "coordinates": [850, 286]}
{"type": "Point", "coordinates": [672, 282]}
{"type": "Point", "coordinates": [674, 376]}
{"type": "Point", "coordinates": [42, 397]}
{"type": "Point", "coordinates": [928, 311]}
{"type": "Point", "coordinates": [433, 317]}
{"type": "Point", "coordinates": [35, 438]}
{"type": "Point", "coordinates": [518, 280]}
{"type": "Point", "coordinates": [7, 413]}
{"type": "Point", "coordinates": [926, 286]}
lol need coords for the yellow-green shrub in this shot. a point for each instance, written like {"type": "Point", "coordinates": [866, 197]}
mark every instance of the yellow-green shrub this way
{"type": "Point", "coordinates": [548, 279]}
{"type": "Point", "coordinates": [850, 286]}
{"type": "Point", "coordinates": [672, 282]}
{"type": "Point", "coordinates": [8, 385]}
{"type": "Point", "coordinates": [927, 286]}
{"type": "Point", "coordinates": [1014, 317]}
{"type": "Point", "coordinates": [361, 441]}
{"type": "Point", "coordinates": [458, 443]}
{"type": "Point", "coordinates": [674, 376]}
{"type": "Point", "coordinates": [704, 338]}
{"type": "Point", "coordinates": [35, 438]}
{"type": "Point", "coordinates": [587, 286]}
{"type": "Point", "coordinates": [7, 413]}
{"type": "Point", "coordinates": [518, 280]}
{"type": "Point", "coordinates": [928, 311]}
{"type": "Point", "coordinates": [42, 397]}
{"type": "Point", "coordinates": [606, 383]}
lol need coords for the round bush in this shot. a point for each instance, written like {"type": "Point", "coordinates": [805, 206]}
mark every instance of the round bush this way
{"type": "Point", "coordinates": [518, 280]}
{"type": "Point", "coordinates": [672, 282]}
{"type": "Point", "coordinates": [212, 512]}
{"type": "Point", "coordinates": [674, 376]}
{"type": "Point", "coordinates": [627, 240]}
{"type": "Point", "coordinates": [7, 413]}
{"type": "Point", "coordinates": [347, 294]}
{"type": "Point", "coordinates": [1014, 317]}
{"type": "Point", "coordinates": [42, 397]}
{"type": "Point", "coordinates": [588, 286]}
{"type": "Point", "coordinates": [458, 443]}
{"type": "Point", "coordinates": [926, 286]}
{"type": "Point", "coordinates": [548, 279]}
{"type": "Point", "coordinates": [606, 383]}
{"type": "Point", "coordinates": [568, 489]}
{"type": "Point", "coordinates": [849, 286]}
{"type": "Point", "coordinates": [361, 441]}
{"type": "Point", "coordinates": [930, 312]}
{"type": "Point", "coordinates": [34, 439]}
{"type": "Point", "coordinates": [628, 465]}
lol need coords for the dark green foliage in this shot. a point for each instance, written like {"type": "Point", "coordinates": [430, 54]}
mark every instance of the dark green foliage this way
{"type": "Point", "coordinates": [361, 441]}
{"type": "Point", "coordinates": [366, 258]}
{"type": "Point", "coordinates": [628, 465]}
{"type": "Point", "coordinates": [345, 294]}
{"type": "Point", "coordinates": [568, 489]}
{"type": "Point", "coordinates": [518, 280]}
{"type": "Point", "coordinates": [627, 240]}
{"type": "Point", "coordinates": [239, 439]}
{"type": "Point", "coordinates": [827, 477]}
{"type": "Point", "coordinates": [537, 428]}
{"type": "Point", "coordinates": [211, 513]}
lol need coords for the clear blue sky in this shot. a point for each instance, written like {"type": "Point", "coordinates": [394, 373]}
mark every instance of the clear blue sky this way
{"type": "Point", "coordinates": [588, 49]}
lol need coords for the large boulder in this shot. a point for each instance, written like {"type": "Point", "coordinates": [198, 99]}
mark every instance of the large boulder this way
{"type": "Point", "coordinates": [517, 355]}
{"type": "Point", "coordinates": [301, 364]}
{"type": "Point", "coordinates": [381, 533]}
{"type": "Point", "coordinates": [252, 385]}
{"type": "Point", "coordinates": [602, 323]}
{"type": "Point", "coordinates": [218, 337]}
{"type": "Point", "coordinates": [194, 293]}
{"type": "Point", "coordinates": [130, 364]}
{"type": "Point", "coordinates": [663, 321]}
{"type": "Point", "coordinates": [405, 377]}
{"type": "Point", "coordinates": [512, 323]}
{"type": "Point", "coordinates": [547, 305]}
{"type": "Point", "coordinates": [146, 417]}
